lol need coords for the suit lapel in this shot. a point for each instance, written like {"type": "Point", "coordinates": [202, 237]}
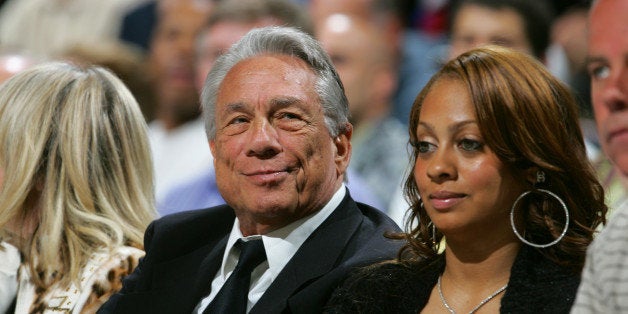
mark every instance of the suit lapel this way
{"type": "Point", "coordinates": [318, 255]}
{"type": "Point", "coordinates": [208, 268]}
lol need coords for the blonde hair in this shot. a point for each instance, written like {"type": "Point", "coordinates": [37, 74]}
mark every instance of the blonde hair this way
{"type": "Point", "coordinates": [75, 155]}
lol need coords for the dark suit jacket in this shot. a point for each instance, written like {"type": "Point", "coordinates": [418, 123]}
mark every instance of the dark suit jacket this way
{"type": "Point", "coordinates": [184, 251]}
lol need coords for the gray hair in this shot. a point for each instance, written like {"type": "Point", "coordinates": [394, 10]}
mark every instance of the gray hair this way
{"type": "Point", "coordinates": [285, 41]}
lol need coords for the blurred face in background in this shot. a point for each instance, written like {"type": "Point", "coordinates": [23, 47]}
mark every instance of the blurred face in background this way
{"type": "Point", "coordinates": [364, 64]}
{"type": "Point", "coordinates": [217, 39]}
{"type": "Point", "coordinates": [171, 60]}
{"type": "Point", "coordinates": [607, 64]}
{"type": "Point", "coordinates": [474, 26]}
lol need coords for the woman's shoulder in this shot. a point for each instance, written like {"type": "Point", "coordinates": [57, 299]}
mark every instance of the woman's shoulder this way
{"type": "Point", "coordinates": [387, 287]}
{"type": "Point", "coordinates": [111, 267]}
{"type": "Point", "coordinates": [539, 285]}
{"type": "Point", "coordinates": [100, 278]}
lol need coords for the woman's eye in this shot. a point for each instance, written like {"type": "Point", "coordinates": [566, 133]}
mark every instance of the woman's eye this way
{"type": "Point", "coordinates": [470, 145]}
{"type": "Point", "coordinates": [425, 147]}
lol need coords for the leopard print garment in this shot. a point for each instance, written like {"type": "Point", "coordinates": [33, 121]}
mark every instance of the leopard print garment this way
{"type": "Point", "coordinates": [102, 290]}
{"type": "Point", "coordinates": [105, 280]}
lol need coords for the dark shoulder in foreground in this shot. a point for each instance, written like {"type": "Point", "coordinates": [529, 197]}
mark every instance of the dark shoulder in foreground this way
{"type": "Point", "coordinates": [386, 287]}
{"type": "Point", "coordinates": [538, 285]}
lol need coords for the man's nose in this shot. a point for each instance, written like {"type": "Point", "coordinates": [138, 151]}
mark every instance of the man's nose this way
{"type": "Point", "coordinates": [263, 140]}
{"type": "Point", "coordinates": [616, 90]}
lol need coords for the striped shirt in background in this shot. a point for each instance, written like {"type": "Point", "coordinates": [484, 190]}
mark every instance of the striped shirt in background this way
{"type": "Point", "coordinates": [604, 285]}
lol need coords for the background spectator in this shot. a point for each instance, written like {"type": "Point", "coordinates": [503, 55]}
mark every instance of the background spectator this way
{"type": "Point", "coordinates": [47, 27]}
{"type": "Point", "coordinates": [605, 276]}
{"type": "Point", "coordinates": [177, 136]}
{"type": "Point", "coordinates": [379, 140]}
{"type": "Point", "coordinates": [416, 54]}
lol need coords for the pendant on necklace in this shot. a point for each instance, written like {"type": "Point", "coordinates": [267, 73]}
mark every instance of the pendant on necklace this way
{"type": "Point", "coordinates": [477, 307]}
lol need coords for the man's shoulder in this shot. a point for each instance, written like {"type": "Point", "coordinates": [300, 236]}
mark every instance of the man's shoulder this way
{"type": "Point", "coordinates": [189, 229]}
{"type": "Point", "coordinates": [377, 218]}
{"type": "Point", "coordinates": [215, 215]}
{"type": "Point", "coordinates": [369, 242]}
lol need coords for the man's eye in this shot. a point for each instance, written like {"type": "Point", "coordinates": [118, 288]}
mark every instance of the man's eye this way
{"type": "Point", "coordinates": [238, 120]}
{"type": "Point", "coordinates": [288, 115]}
{"type": "Point", "coordinates": [599, 72]}
{"type": "Point", "coordinates": [289, 121]}
{"type": "Point", "coordinates": [470, 145]}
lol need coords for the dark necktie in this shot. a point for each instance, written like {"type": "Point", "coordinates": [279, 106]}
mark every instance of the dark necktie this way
{"type": "Point", "coordinates": [232, 297]}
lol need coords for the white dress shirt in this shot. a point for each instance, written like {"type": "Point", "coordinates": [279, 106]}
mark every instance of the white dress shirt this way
{"type": "Point", "coordinates": [280, 245]}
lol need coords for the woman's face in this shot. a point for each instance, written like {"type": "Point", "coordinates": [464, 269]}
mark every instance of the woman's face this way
{"type": "Point", "coordinates": [465, 188]}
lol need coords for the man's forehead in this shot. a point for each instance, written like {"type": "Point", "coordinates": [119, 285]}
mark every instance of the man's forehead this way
{"type": "Point", "coordinates": [271, 79]}
{"type": "Point", "coordinates": [606, 13]}
{"type": "Point", "coordinates": [287, 71]}
{"type": "Point", "coordinates": [273, 60]}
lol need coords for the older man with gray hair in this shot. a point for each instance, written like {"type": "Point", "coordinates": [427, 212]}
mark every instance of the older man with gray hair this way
{"type": "Point", "coordinates": [277, 122]}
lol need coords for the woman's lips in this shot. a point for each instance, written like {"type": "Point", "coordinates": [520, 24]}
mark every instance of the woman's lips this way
{"type": "Point", "coordinates": [443, 200]}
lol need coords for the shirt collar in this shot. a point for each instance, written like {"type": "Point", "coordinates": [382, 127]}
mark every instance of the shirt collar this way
{"type": "Point", "coordinates": [281, 244]}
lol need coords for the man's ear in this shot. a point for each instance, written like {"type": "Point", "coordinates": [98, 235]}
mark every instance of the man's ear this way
{"type": "Point", "coordinates": [342, 142]}
{"type": "Point", "coordinates": [212, 146]}
{"type": "Point", "coordinates": [212, 150]}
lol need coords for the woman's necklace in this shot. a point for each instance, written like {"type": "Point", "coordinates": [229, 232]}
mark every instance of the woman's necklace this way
{"type": "Point", "coordinates": [477, 307]}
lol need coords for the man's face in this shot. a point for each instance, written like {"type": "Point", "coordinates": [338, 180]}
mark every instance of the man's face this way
{"type": "Point", "coordinates": [607, 63]}
{"type": "Point", "coordinates": [172, 61]}
{"type": "Point", "coordinates": [475, 26]}
{"type": "Point", "coordinates": [274, 157]}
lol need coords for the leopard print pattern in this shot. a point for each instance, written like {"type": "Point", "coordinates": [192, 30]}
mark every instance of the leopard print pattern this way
{"type": "Point", "coordinates": [104, 285]}
{"type": "Point", "coordinates": [103, 290]}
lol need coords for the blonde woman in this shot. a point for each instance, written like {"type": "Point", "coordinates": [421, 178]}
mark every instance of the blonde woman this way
{"type": "Point", "coordinates": [76, 189]}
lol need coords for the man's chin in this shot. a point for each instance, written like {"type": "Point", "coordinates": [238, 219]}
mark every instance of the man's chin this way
{"type": "Point", "coordinates": [621, 162]}
{"type": "Point", "coordinates": [622, 166]}
{"type": "Point", "coordinates": [265, 219]}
